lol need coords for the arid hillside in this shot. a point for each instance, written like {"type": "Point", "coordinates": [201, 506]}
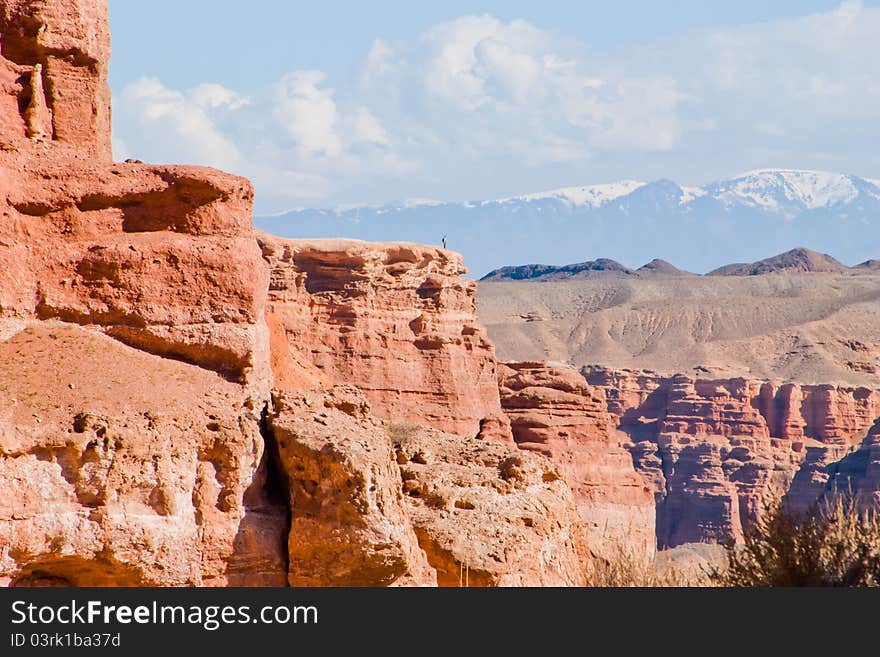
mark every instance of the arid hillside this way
{"type": "Point", "coordinates": [814, 328]}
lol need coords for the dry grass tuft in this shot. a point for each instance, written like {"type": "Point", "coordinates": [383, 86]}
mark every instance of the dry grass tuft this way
{"type": "Point", "coordinates": [626, 569]}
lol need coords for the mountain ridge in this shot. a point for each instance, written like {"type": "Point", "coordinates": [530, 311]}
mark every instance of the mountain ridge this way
{"type": "Point", "coordinates": [738, 219]}
{"type": "Point", "coordinates": [800, 259]}
{"type": "Point", "coordinates": [813, 188]}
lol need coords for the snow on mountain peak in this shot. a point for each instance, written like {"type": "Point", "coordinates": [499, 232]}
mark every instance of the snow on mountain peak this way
{"type": "Point", "coordinates": [788, 191]}
{"type": "Point", "coordinates": [688, 194]}
{"type": "Point", "coordinates": [589, 195]}
{"type": "Point", "coordinates": [420, 202]}
{"type": "Point", "coordinates": [777, 189]}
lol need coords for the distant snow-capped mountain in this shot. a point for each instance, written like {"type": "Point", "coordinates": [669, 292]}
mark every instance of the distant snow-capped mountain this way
{"type": "Point", "coordinates": [745, 218]}
{"type": "Point", "coordinates": [791, 191]}
{"type": "Point", "coordinates": [593, 196]}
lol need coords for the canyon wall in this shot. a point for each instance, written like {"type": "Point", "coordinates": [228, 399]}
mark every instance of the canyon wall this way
{"type": "Point", "coordinates": [396, 321]}
{"type": "Point", "coordinates": [554, 412]}
{"type": "Point", "coordinates": [134, 351]}
{"type": "Point", "coordinates": [378, 503]}
{"type": "Point", "coordinates": [717, 451]}
{"type": "Point", "coordinates": [377, 349]}
{"type": "Point", "coordinates": [712, 453]}
{"type": "Point", "coordinates": [171, 407]}
{"type": "Point", "coordinates": [186, 402]}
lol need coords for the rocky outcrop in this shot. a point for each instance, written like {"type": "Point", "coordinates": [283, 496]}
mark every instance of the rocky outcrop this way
{"type": "Point", "coordinates": [829, 414]}
{"type": "Point", "coordinates": [144, 326]}
{"type": "Point", "coordinates": [376, 503]}
{"type": "Point", "coordinates": [139, 441]}
{"type": "Point", "coordinates": [349, 523]}
{"type": "Point", "coordinates": [554, 411]}
{"type": "Point", "coordinates": [836, 468]}
{"type": "Point", "coordinates": [53, 78]}
{"type": "Point", "coordinates": [122, 468]}
{"type": "Point", "coordinates": [135, 354]}
{"type": "Point", "coordinates": [159, 257]}
{"type": "Point", "coordinates": [396, 321]}
{"type": "Point", "coordinates": [864, 479]}
{"type": "Point", "coordinates": [717, 451]}
{"type": "Point", "coordinates": [488, 514]}
{"type": "Point", "coordinates": [139, 444]}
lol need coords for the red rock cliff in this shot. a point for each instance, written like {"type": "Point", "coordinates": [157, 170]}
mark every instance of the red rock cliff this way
{"type": "Point", "coordinates": [140, 443]}
{"type": "Point", "coordinates": [134, 351]}
{"type": "Point", "coordinates": [395, 320]}
{"type": "Point", "coordinates": [718, 450]}
{"type": "Point", "coordinates": [553, 411]}
{"type": "Point", "coordinates": [53, 77]}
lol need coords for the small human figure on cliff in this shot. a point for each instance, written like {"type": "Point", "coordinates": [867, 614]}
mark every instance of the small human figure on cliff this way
{"type": "Point", "coordinates": [444, 241]}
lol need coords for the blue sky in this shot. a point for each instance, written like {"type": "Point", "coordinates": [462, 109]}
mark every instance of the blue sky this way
{"type": "Point", "coordinates": [334, 103]}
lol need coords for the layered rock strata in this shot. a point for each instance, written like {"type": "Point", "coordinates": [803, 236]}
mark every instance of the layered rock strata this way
{"type": "Point", "coordinates": [489, 514]}
{"type": "Point", "coordinates": [395, 320]}
{"type": "Point", "coordinates": [718, 451]}
{"type": "Point", "coordinates": [554, 411]}
{"type": "Point", "coordinates": [140, 443]}
{"type": "Point", "coordinates": [144, 326]}
{"type": "Point", "coordinates": [135, 355]}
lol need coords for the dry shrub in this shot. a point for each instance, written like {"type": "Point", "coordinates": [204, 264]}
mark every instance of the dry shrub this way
{"type": "Point", "coordinates": [834, 544]}
{"type": "Point", "coordinates": [625, 568]}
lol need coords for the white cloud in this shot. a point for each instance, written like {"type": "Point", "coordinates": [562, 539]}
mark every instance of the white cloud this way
{"type": "Point", "coordinates": [174, 125]}
{"type": "Point", "coordinates": [380, 60]}
{"type": "Point", "coordinates": [476, 60]}
{"type": "Point", "coordinates": [490, 88]}
{"type": "Point", "coordinates": [215, 96]}
{"type": "Point", "coordinates": [307, 114]}
{"type": "Point", "coordinates": [294, 142]}
{"type": "Point", "coordinates": [477, 101]}
{"type": "Point", "coordinates": [367, 128]}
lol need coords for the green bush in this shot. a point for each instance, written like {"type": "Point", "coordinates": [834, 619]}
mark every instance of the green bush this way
{"type": "Point", "coordinates": [835, 544]}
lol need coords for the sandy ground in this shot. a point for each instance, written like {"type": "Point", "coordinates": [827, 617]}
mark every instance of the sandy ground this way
{"type": "Point", "coordinates": [801, 327]}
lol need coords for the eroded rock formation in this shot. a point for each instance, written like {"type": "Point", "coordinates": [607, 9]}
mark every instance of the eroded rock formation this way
{"type": "Point", "coordinates": [554, 412]}
{"type": "Point", "coordinates": [135, 356]}
{"type": "Point", "coordinates": [140, 442]}
{"type": "Point", "coordinates": [489, 514]}
{"type": "Point", "coordinates": [375, 503]}
{"type": "Point", "coordinates": [395, 320]}
{"type": "Point", "coordinates": [183, 402]}
{"type": "Point", "coordinates": [53, 77]}
{"type": "Point", "coordinates": [349, 521]}
{"type": "Point", "coordinates": [717, 451]}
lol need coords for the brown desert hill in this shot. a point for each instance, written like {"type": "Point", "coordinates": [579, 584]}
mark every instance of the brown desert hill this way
{"type": "Point", "coordinates": [658, 267]}
{"type": "Point", "coordinates": [869, 264]}
{"type": "Point", "coordinates": [797, 326]}
{"type": "Point", "coordinates": [796, 260]}
{"type": "Point", "coordinates": [600, 268]}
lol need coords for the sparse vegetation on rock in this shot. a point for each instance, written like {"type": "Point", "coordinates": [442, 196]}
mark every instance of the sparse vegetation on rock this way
{"type": "Point", "coordinates": [834, 544]}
